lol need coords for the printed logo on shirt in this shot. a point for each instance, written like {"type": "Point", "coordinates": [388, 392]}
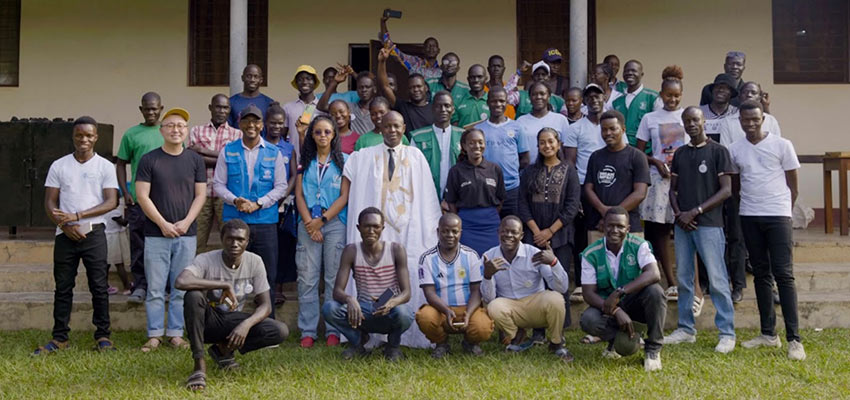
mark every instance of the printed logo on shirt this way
{"type": "Point", "coordinates": [607, 176]}
{"type": "Point", "coordinates": [483, 115]}
{"type": "Point", "coordinates": [440, 275]}
{"type": "Point", "coordinates": [702, 167]}
{"type": "Point", "coordinates": [630, 259]}
{"type": "Point", "coordinates": [490, 181]}
{"type": "Point", "coordinates": [421, 274]}
{"type": "Point", "coordinates": [642, 106]}
{"type": "Point", "coordinates": [269, 158]}
{"type": "Point", "coordinates": [232, 154]}
{"type": "Point", "coordinates": [511, 133]}
{"type": "Point", "coordinates": [467, 183]}
{"type": "Point", "coordinates": [267, 174]}
{"type": "Point", "coordinates": [285, 159]}
{"type": "Point", "coordinates": [461, 273]}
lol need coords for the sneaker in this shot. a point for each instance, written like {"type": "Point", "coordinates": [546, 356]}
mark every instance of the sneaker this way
{"type": "Point", "coordinates": [137, 297]}
{"type": "Point", "coordinates": [333, 340]}
{"type": "Point", "coordinates": [737, 295]}
{"type": "Point", "coordinates": [796, 351]}
{"type": "Point", "coordinates": [697, 307]}
{"type": "Point", "coordinates": [610, 354]}
{"type": "Point", "coordinates": [652, 362]}
{"type": "Point", "coordinates": [393, 354]}
{"type": "Point", "coordinates": [672, 293]}
{"type": "Point", "coordinates": [561, 352]}
{"type": "Point", "coordinates": [576, 296]}
{"type": "Point", "coordinates": [725, 345]}
{"type": "Point", "coordinates": [470, 348]}
{"type": "Point", "coordinates": [538, 337]}
{"type": "Point", "coordinates": [763, 340]}
{"type": "Point", "coordinates": [441, 350]}
{"type": "Point", "coordinates": [680, 336]}
{"type": "Point", "coordinates": [307, 342]}
{"type": "Point", "coordinates": [519, 348]}
{"type": "Point", "coordinates": [354, 351]}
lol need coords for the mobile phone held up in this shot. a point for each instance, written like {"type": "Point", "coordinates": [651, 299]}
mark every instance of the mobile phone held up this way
{"type": "Point", "coordinates": [385, 297]}
{"type": "Point", "coordinates": [389, 13]}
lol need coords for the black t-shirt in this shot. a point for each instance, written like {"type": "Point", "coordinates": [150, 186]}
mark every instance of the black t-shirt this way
{"type": "Point", "coordinates": [415, 117]}
{"type": "Point", "coordinates": [612, 175]}
{"type": "Point", "coordinates": [698, 169]}
{"type": "Point", "coordinates": [469, 186]}
{"type": "Point", "coordinates": [172, 180]}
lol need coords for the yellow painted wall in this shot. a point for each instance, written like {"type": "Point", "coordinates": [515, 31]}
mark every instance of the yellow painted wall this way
{"type": "Point", "coordinates": [696, 35]}
{"type": "Point", "coordinates": [98, 57]}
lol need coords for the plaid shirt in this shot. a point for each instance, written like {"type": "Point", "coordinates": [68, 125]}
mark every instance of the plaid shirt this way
{"type": "Point", "coordinates": [209, 137]}
{"type": "Point", "coordinates": [414, 64]}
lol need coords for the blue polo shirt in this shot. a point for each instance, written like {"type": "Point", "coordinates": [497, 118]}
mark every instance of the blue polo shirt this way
{"type": "Point", "coordinates": [504, 143]}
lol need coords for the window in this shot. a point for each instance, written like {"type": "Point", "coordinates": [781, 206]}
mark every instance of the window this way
{"type": "Point", "coordinates": [810, 41]}
{"type": "Point", "coordinates": [10, 34]}
{"type": "Point", "coordinates": [209, 40]}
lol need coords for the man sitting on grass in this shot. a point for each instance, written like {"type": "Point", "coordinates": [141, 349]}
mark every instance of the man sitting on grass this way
{"type": "Point", "coordinates": [216, 284]}
{"type": "Point", "coordinates": [450, 275]}
{"type": "Point", "coordinates": [378, 267]}
{"type": "Point", "coordinates": [619, 278]}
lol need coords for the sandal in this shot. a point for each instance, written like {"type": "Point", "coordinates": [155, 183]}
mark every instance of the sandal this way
{"type": "Point", "coordinates": [590, 339]}
{"type": "Point", "coordinates": [197, 382]}
{"type": "Point", "coordinates": [112, 290]}
{"type": "Point", "coordinates": [151, 345]}
{"type": "Point", "coordinates": [697, 307]}
{"type": "Point", "coordinates": [51, 347]}
{"type": "Point", "coordinates": [104, 345]}
{"type": "Point", "coordinates": [178, 342]}
{"type": "Point", "coordinates": [225, 362]}
{"type": "Point", "coordinates": [672, 293]}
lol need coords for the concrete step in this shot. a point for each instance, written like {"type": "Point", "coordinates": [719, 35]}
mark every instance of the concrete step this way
{"type": "Point", "coordinates": [26, 252]}
{"type": "Point", "coordinates": [39, 278]}
{"type": "Point", "coordinates": [34, 310]}
{"type": "Point", "coordinates": [816, 309]}
{"type": "Point", "coordinates": [816, 277]}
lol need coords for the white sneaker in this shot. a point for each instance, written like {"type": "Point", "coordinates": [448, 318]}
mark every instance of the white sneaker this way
{"type": "Point", "coordinates": [762, 340]}
{"type": "Point", "coordinates": [610, 354]}
{"type": "Point", "coordinates": [725, 345]}
{"type": "Point", "coordinates": [697, 306]}
{"type": "Point", "coordinates": [652, 362]}
{"type": "Point", "coordinates": [680, 336]}
{"type": "Point", "coordinates": [795, 351]}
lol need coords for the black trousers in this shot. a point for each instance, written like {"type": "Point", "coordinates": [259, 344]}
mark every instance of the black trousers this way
{"type": "Point", "coordinates": [66, 260]}
{"type": "Point", "coordinates": [770, 246]}
{"type": "Point", "coordinates": [511, 203]}
{"type": "Point", "coordinates": [206, 324]}
{"type": "Point", "coordinates": [648, 306]}
{"type": "Point", "coordinates": [286, 270]}
{"type": "Point", "coordinates": [263, 242]}
{"type": "Point", "coordinates": [136, 219]}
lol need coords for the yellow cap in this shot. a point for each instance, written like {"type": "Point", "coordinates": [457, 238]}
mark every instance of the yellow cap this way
{"type": "Point", "coordinates": [308, 69]}
{"type": "Point", "coordinates": [177, 111]}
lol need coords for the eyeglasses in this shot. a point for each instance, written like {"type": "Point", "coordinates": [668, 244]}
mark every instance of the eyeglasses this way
{"type": "Point", "coordinates": [173, 125]}
{"type": "Point", "coordinates": [323, 133]}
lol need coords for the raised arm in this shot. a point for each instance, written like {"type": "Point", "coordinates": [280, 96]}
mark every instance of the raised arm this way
{"type": "Point", "coordinates": [383, 80]}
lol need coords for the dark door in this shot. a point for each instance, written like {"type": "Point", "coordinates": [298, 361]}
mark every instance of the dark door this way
{"type": "Point", "coordinates": [15, 170]}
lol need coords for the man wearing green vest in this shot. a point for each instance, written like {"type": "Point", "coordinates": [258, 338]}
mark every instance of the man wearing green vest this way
{"type": "Point", "coordinates": [440, 143]}
{"type": "Point", "coordinates": [620, 278]}
{"type": "Point", "coordinates": [450, 64]}
{"type": "Point", "coordinates": [472, 107]}
{"type": "Point", "coordinates": [636, 101]}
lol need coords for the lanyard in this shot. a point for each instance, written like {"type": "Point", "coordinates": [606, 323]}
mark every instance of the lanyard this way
{"type": "Point", "coordinates": [320, 171]}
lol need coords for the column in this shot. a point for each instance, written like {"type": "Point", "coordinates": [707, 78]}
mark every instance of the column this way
{"type": "Point", "coordinates": [578, 43]}
{"type": "Point", "coordinates": [238, 43]}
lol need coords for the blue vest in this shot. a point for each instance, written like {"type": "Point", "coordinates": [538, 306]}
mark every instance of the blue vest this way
{"type": "Point", "coordinates": [237, 181]}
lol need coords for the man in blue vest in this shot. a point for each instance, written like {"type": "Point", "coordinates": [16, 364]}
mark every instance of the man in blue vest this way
{"type": "Point", "coordinates": [250, 175]}
{"type": "Point", "coordinates": [619, 278]}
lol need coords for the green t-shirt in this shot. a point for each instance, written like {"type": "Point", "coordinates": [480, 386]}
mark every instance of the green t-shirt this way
{"type": "Point", "coordinates": [469, 110]}
{"type": "Point", "coordinates": [136, 142]}
{"type": "Point", "coordinates": [371, 138]}
{"type": "Point", "coordinates": [459, 90]}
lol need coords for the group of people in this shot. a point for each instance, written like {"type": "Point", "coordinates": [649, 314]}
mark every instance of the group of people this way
{"type": "Point", "coordinates": [465, 208]}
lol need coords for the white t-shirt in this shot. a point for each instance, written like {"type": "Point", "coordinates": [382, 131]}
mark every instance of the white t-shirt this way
{"type": "Point", "coordinates": [586, 137]}
{"type": "Point", "coordinates": [588, 271]}
{"type": "Point", "coordinates": [531, 125]}
{"type": "Point", "coordinates": [81, 185]}
{"type": "Point", "coordinates": [666, 131]}
{"type": "Point", "coordinates": [733, 132]}
{"type": "Point", "coordinates": [764, 191]}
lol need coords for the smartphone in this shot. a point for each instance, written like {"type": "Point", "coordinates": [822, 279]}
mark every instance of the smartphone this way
{"type": "Point", "coordinates": [392, 13]}
{"type": "Point", "coordinates": [307, 115]}
{"type": "Point", "coordinates": [457, 324]}
{"type": "Point", "coordinates": [385, 297]}
{"type": "Point", "coordinates": [229, 303]}
{"type": "Point", "coordinates": [84, 228]}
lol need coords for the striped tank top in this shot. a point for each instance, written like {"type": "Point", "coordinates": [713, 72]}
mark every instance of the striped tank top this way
{"type": "Point", "coordinates": [373, 280]}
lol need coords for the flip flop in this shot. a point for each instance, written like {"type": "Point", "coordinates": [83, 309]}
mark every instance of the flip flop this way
{"type": "Point", "coordinates": [225, 362]}
{"type": "Point", "coordinates": [104, 345]}
{"type": "Point", "coordinates": [197, 382]}
{"type": "Point", "coordinates": [590, 339]}
{"type": "Point", "coordinates": [50, 348]}
{"type": "Point", "coordinates": [151, 345]}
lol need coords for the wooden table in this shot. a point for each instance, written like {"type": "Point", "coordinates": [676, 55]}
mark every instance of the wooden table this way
{"type": "Point", "coordinates": [842, 165]}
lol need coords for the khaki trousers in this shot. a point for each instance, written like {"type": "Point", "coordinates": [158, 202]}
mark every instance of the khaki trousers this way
{"type": "Point", "coordinates": [544, 309]}
{"type": "Point", "coordinates": [434, 325]}
{"type": "Point", "coordinates": [210, 212]}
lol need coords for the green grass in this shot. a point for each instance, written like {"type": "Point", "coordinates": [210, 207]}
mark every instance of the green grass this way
{"type": "Point", "coordinates": [691, 371]}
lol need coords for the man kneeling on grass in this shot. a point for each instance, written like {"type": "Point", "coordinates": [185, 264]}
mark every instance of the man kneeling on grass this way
{"type": "Point", "coordinates": [216, 284]}
{"type": "Point", "coordinates": [383, 290]}
{"type": "Point", "coordinates": [450, 275]}
{"type": "Point", "coordinates": [619, 278]}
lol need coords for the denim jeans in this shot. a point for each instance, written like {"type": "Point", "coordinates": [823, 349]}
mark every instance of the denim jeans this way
{"type": "Point", "coordinates": [263, 242]}
{"type": "Point", "coordinates": [710, 243]}
{"type": "Point", "coordinates": [165, 258]}
{"type": "Point", "coordinates": [311, 257]}
{"type": "Point", "coordinates": [769, 244]}
{"type": "Point", "coordinates": [392, 324]}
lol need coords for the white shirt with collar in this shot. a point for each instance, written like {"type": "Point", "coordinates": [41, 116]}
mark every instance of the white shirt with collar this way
{"type": "Point", "coordinates": [523, 277]}
{"type": "Point", "coordinates": [588, 271]}
{"type": "Point", "coordinates": [657, 105]}
{"type": "Point", "coordinates": [251, 155]}
{"type": "Point", "coordinates": [444, 139]}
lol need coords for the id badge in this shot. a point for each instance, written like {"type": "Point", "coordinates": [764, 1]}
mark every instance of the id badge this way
{"type": "Point", "coordinates": [316, 211]}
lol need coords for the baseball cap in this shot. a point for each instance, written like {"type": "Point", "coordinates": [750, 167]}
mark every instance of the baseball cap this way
{"type": "Point", "coordinates": [176, 111]}
{"type": "Point", "coordinates": [308, 69]}
{"type": "Point", "coordinates": [540, 64]}
{"type": "Point", "coordinates": [590, 88]}
{"type": "Point", "coordinates": [251, 110]}
{"type": "Point", "coordinates": [552, 55]}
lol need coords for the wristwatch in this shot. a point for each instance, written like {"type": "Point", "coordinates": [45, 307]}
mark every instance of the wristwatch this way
{"type": "Point", "coordinates": [699, 209]}
{"type": "Point", "coordinates": [620, 291]}
{"type": "Point", "coordinates": [324, 219]}
{"type": "Point", "coordinates": [259, 203]}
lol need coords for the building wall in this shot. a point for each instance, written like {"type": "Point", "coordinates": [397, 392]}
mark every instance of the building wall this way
{"type": "Point", "coordinates": [696, 35]}
{"type": "Point", "coordinates": [98, 57]}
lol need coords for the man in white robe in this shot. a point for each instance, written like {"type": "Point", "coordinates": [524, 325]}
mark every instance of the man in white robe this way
{"type": "Point", "coordinates": [406, 197]}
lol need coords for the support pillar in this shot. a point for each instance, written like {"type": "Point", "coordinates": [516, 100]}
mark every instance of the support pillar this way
{"type": "Point", "coordinates": [578, 43]}
{"type": "Point", "coordinates": [238, 43]}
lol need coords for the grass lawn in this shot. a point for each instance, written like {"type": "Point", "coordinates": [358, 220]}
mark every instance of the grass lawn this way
{"type": "Point", "coordinates": [691, 371]}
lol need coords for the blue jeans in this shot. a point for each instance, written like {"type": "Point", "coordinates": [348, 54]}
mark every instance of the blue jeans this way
{"type": "Point", "coordinates": [310, 258]}
{"type": "Point", "coordinates": [710, 243]}
{"type": "Point", "coordinates": [393, 324]}
{"type": "Point", "coordinates": [165, 258]}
